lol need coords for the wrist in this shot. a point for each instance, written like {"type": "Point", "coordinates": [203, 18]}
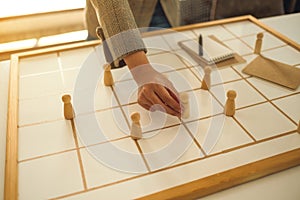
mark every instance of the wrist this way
{"type": "Point", "coordinates": [136, 59]}
{"type": "Point", "coordinates": [139, 66]}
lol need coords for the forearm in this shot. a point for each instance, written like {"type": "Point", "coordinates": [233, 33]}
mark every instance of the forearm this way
{"type": "Point", "coordinates": [136, 59]}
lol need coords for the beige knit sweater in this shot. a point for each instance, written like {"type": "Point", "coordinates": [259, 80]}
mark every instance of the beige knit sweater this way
{"type": "Point", "coordinates": [119, 23]}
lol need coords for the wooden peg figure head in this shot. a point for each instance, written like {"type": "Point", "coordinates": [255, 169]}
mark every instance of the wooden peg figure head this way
{"type": "Point", "coordinates": [135, 117]}
{"type": "Point", "coordinates": [231, 94]}
{"type": "Point", "coordinates": [260, 35]}
{"type": "Point", "coordinates": [66, 98]}
{"type": "Point", "coordinates": [184, 97]}
{"type": "Point", "coordinates": [68, 109]}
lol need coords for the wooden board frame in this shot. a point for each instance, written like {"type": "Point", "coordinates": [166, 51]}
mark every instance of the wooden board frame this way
{"type": "Point", "coordinates": [195, 189]}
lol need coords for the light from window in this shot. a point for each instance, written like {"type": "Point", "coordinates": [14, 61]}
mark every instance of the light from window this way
{"type": "Point", "coordinates": [10, 8]}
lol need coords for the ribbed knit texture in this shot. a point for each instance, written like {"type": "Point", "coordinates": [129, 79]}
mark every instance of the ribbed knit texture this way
{"type": "Point", "coordinates": [119, 26]}
{"type": "Point", "coordinates": [91, 21]}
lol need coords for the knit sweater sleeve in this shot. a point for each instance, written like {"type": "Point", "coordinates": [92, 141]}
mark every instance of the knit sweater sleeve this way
{"type": "Point", "coordinates": [119, 27]}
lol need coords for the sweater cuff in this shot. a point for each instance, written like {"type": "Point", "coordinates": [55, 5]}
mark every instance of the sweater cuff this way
{"type": "Point", "coordinates": [124, 44]}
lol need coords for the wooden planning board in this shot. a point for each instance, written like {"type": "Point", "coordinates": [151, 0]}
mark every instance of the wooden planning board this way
{"type": "Point", "coordinates": [49, 157]}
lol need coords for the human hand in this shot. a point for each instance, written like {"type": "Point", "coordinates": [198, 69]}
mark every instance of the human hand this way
{"type": "Point", "coordinates": [156, 92]}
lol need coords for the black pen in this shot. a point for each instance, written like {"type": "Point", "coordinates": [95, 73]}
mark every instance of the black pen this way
{"type": "Point", "coordinates": [200, 45]}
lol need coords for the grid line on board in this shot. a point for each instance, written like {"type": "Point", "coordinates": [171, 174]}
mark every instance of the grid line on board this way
{"type": "Point", "coordinates": [176, 165]}
{"type": "Point", "coordinates": [79, 157]}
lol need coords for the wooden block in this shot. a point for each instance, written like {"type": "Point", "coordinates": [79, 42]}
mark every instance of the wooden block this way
{"type": "Point", "coordinates": [136, 130]}
{"type": "Point", "coordinates": [108, 78]}
{"type": "Point", "coordinates": [206, 82]}
{"type": "Point", "coordinates": [274, 71]}
{"type": "Point", "coordinates": [229, 109]}
{"type": "Point", "coordinates": [68, 108]}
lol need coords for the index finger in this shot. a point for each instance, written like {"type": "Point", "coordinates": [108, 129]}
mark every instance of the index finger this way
{"type": "Point", "coordinates": [168, 97]}
{"type": "Point", "coordinates": [173, 95]}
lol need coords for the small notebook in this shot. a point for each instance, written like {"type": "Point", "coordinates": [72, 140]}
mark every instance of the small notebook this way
{"type": "Point", "coordinates": [213, 51]}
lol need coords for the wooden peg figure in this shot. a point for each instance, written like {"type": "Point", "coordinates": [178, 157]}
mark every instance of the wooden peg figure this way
{"type": "Point", "coordinates": [68, 108]}
{"type": "Point", "coordinates": [136, 130]}
{"type": "Point", "coordinates": [230, 103]}
{"type": "Point", "coordinates": [258, 43]}
{"type": "Point", "coordinates": [108, 78]}
{"type": "Point", "coordinates": [206, 79]}
{"type": "Point", "coordinates": [184, 98]}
